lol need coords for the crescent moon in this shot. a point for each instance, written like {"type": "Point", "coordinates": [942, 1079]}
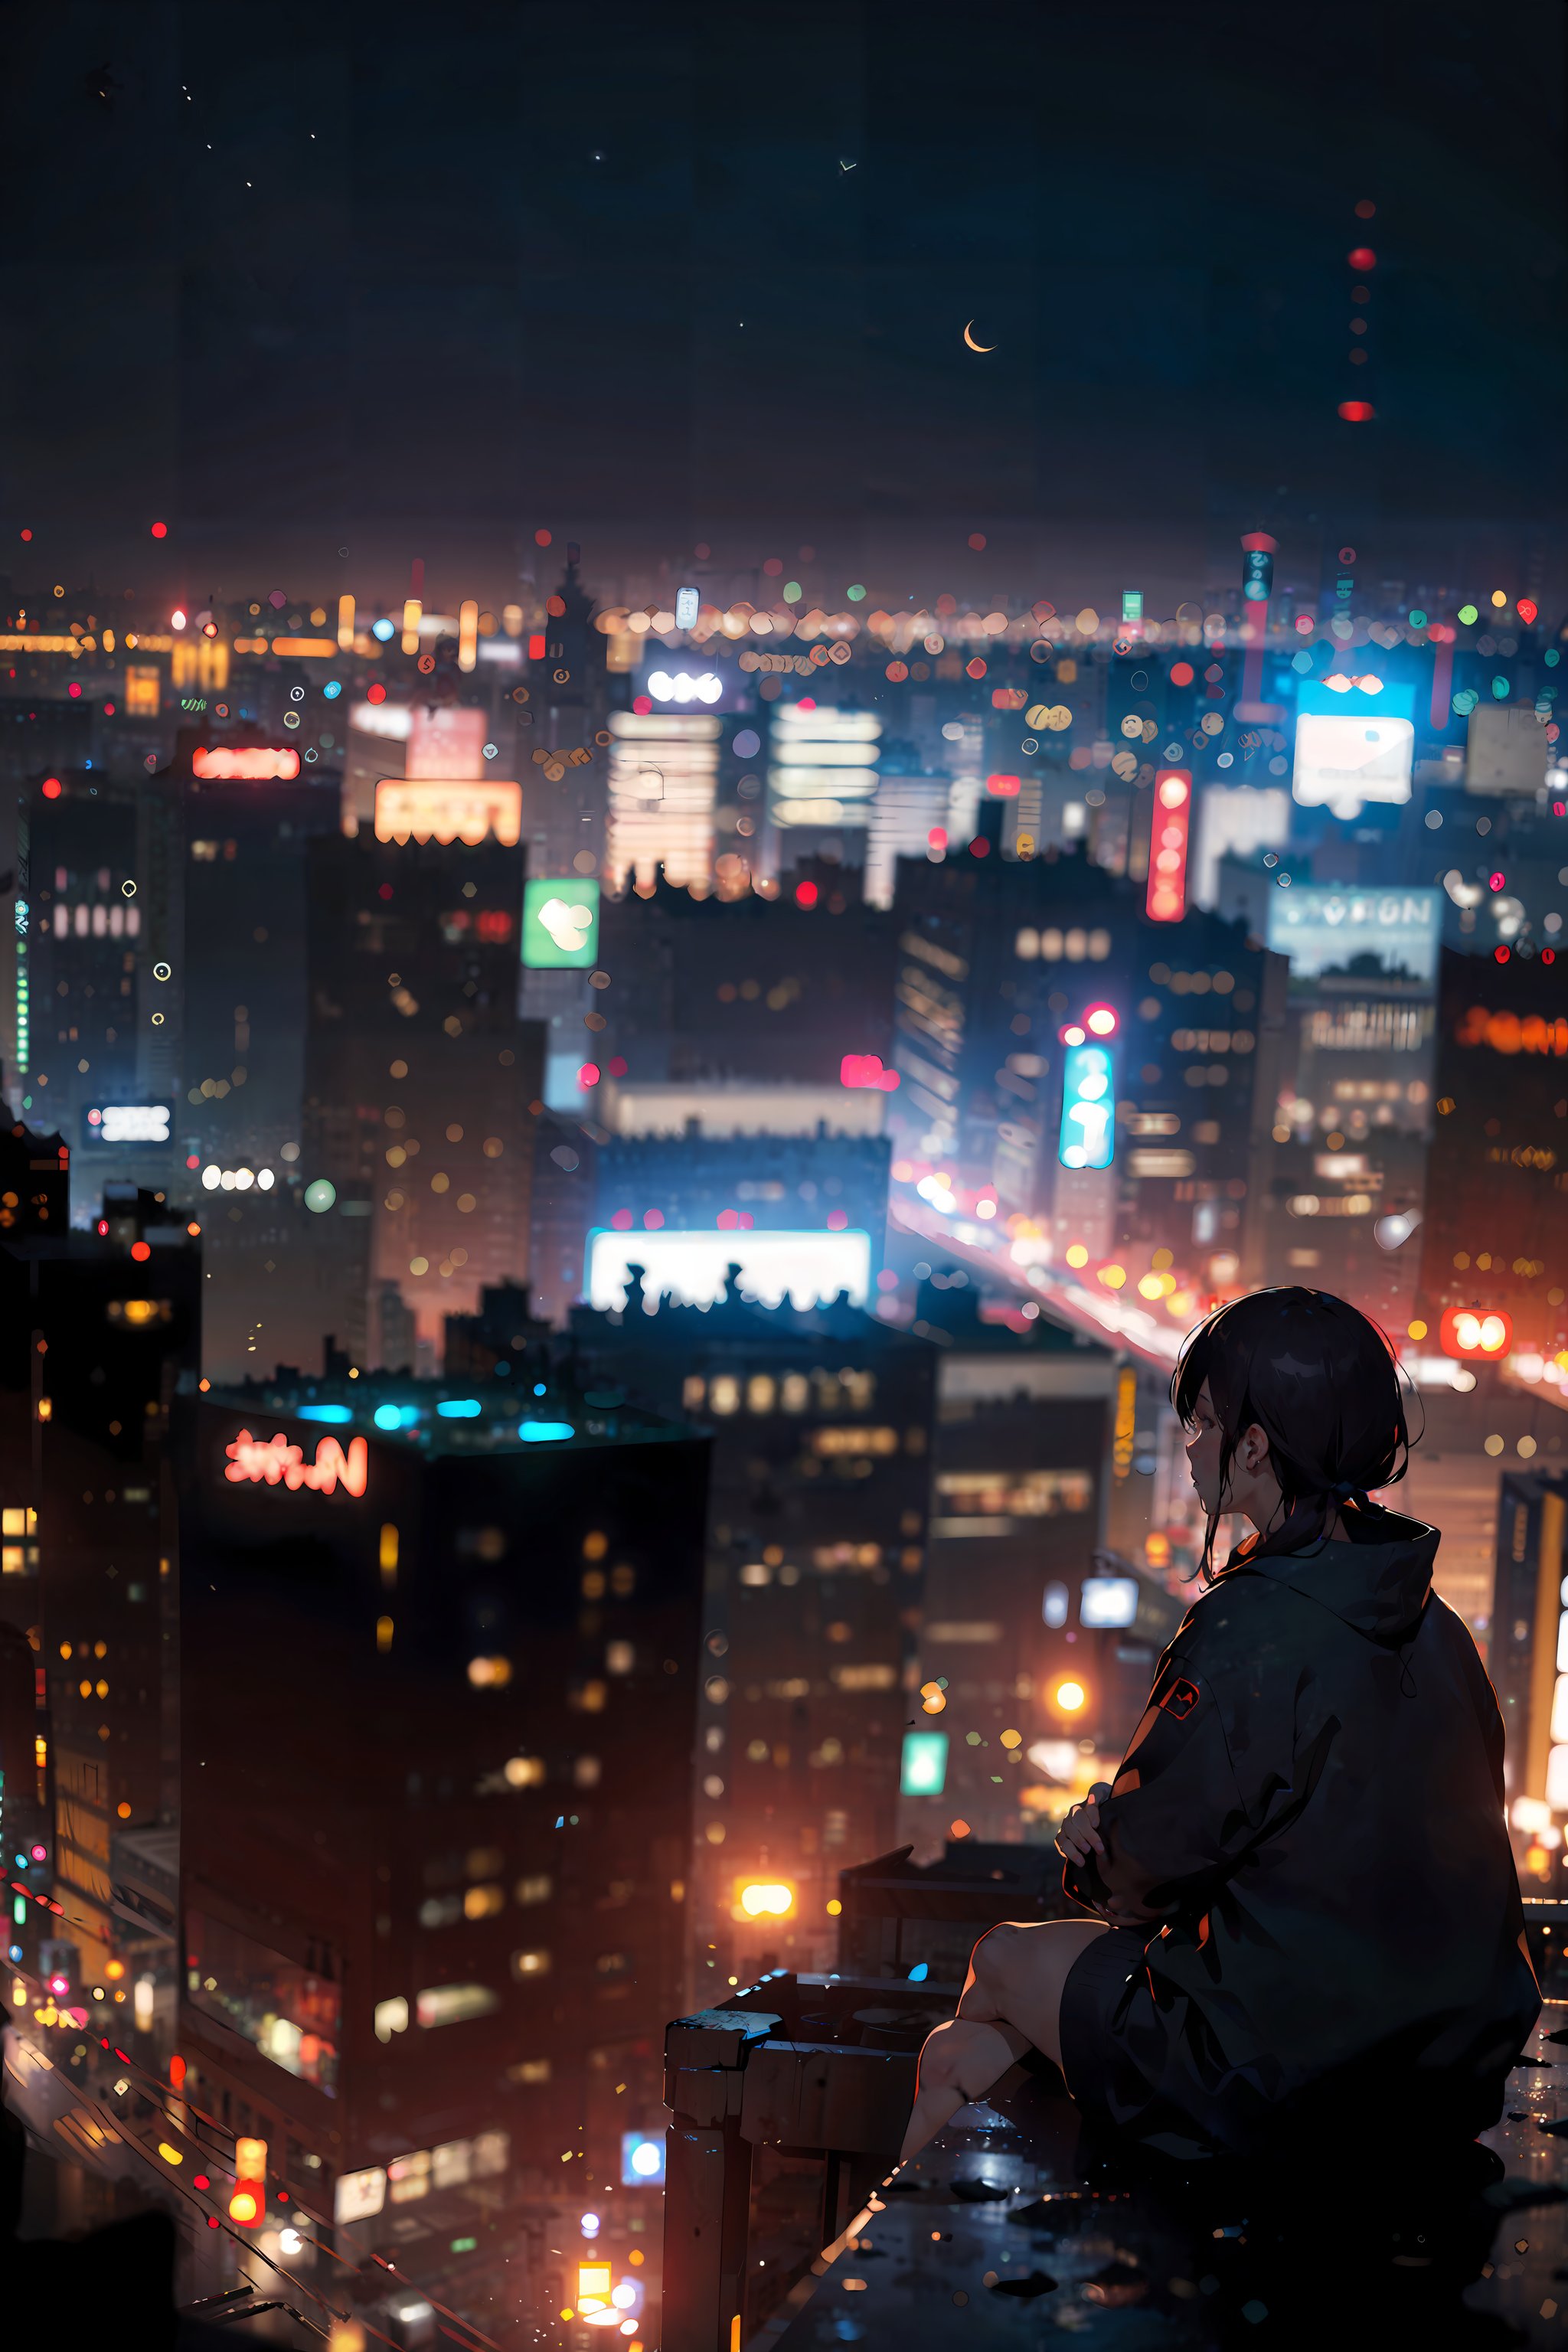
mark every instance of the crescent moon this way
{"type": "Point", "coordinates": [972, 344]}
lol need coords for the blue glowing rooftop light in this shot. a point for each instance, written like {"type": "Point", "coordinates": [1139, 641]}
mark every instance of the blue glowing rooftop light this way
{"type": "Point", "coordinates": [382, 629]}
{"type": "Point", "coordinates": [459, 1408]}
{"type": "Point", "coordinates": [335, 1412]}
{"type": "Point", "coordinates": [544, 1432]}
{"type": "Point", "coordinates": [396, 1416]}
{"type": "Point", "coordinates": [539, 1387]}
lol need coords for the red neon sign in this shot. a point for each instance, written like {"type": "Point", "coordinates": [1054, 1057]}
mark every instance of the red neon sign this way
{"type": "Point", "coordinates": [276, 1462]}
{"type": "Point", "coordinates": [1167, 899]}
{"type": "Point", "coordinates": [866, 1070]}
{"type": "Point", "coordinates": [1484, 1332]}
{"type": "Point", "coordinates": [246, 763]}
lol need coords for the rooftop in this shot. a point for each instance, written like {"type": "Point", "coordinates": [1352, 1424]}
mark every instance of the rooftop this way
{"type": "Point", "coordinates": [441, 1417]}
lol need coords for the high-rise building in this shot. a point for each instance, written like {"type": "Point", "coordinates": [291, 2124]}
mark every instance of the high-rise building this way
{"type": "Point", "coordinates": [821, 1426]}
{"type": "Point", "coordinates": [103, 1329]}
{"type": "Point", "coordinates": [439, 1707]}
{"type": "Point", "coordinates": [247, 811]}
{"type": "Point", "coordinates": [1530, 1640]}
{"type": "Point", "coordinates": [1491, 1241]}
{"type": "Point", "coordinates": [1097, 1084]}
{"type": "Point", "coordinates": [419, 1069]}
{"type": "Point", "coordinates": [1354, 1113]}
{"type": "Point", "coordinates": [1036, 1645]}
{"type": "Point", "coordinates": [78, 934]}
{"type": "Point", "coordinates": [714, 989]}
{"type": "Point", "coordinates": [564, 764]}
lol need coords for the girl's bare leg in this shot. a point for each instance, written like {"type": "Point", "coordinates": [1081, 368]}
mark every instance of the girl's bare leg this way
{"type": "Point", "coordinates": [959, 2061]}
{"type": "Point", "coordinates": [1011, 2001]}
{"type": "Point", "coordinates": [1017, 1973]}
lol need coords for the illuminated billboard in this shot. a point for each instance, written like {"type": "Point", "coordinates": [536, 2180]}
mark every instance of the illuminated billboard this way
{"type": "Point", "coordinates": [1345, 759]}
{"type": "Point", "coordinates": [809, 1269]}
{"type": "Point", "coordinates": [824, 767]}
{"type": "Point", "coordinates": [1167, 898]}
{"type": "Point", "coordinates": [1089, 1107]}
{"type": "Point", "coordinates": [1378, 937]}
{"type": "Point", "coordinates": [128, 1123]}
{"type": "Point", "coordinates": [252, 763]}
{"type": "Point", "coordinates": [560, 921]}
{"type": "Point", "coordinates": [432, 808]}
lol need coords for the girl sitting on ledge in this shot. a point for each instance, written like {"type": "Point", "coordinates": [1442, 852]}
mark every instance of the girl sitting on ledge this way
{"type": "Point", "coordinates": [1299, 1887]}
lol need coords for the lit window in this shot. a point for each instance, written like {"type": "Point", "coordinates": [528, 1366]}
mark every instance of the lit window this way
{"type": "Point", "coordinates": [535, 1962]}
{"type": "Point", "coordinates": [529, 2070]}
{"type": "Point", "coordinates": [450, 2004]}
{"type": "Point", "coordinates": [724, 1395]}
{"type": "Point", "coordinates": [391, 2017]}
{"type": "Point", "coordinates": [761, 1393]}
{"type": "Point", "coordinates": [536, 1888]}
{"type": "Point", "coordinates": [619, 1658]}
{"type": "Point", "coordinates": [440, 1910]}
{"type": "Point", "coordinates": [408, 2176]}
{"type": "Point", "coordinates": [483, 1902]}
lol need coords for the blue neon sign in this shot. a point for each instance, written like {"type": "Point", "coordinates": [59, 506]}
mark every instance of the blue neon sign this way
{"type": "Point", "coordinates": [1088, 1108]}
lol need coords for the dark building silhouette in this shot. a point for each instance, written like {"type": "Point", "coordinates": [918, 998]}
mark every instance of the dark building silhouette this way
{"type": "Point", "coordinates": [102, 1331]}
{"type": "Point", "coordinates": [418, 1068]}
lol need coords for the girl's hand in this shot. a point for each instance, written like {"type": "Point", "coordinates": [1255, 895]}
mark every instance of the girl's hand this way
{"type": "Point", "coordinates": [1079, 1835]}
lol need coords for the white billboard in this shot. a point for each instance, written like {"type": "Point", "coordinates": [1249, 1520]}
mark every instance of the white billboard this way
{"type": "Point", "coordinates": [809, 1269]}
{"type": "Point", "coordinates": [1345, 758]}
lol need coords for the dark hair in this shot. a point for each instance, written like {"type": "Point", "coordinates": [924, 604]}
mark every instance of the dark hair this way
{"type": "Point", "coordinates": [1322, 1383]}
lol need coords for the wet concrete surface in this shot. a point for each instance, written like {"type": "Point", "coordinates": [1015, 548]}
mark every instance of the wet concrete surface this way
{"type": "Point", "coordinates": [1014, 2225]}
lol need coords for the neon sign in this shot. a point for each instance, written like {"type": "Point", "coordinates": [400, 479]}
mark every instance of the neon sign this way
{"type": "Point", "coordinates": [1167, 897]}
{"type": "Point", "coordinates": [246, 763]}
{"type": "Point", "coordinates": [434, 808]}
{"type": "Point", "coordinates": [1089, 1123]}
{"type": "Point", "coordinates": [276, 1462]}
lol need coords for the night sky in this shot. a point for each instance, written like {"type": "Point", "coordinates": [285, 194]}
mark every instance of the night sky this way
{"type": "Point", "coordinates": [419, 281]}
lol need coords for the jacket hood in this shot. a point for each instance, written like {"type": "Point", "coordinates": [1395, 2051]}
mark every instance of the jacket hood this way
{"type": "Point", "coordinates": [1377, 1584]}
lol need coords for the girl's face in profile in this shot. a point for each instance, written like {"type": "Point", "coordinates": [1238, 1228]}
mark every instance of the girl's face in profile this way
{"type": "Point", "coordinates": [1204, 1439]}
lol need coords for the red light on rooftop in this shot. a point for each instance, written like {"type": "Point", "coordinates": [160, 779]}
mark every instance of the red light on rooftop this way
{"type": "Point", "coordinates": [536, 646]}
{"type": "Point", "coordinates": [806, 894]}
{"type": "Point", "coordinates": [376, 693]}
{"type": "Point", "coordinates": [542, 539]}
{"type": "Point", "coordinates": [140, 1252]}
{"type": "Point", "coordinates": [52, 788]}
{"type": "Point", "coordinates": [1361, 256]}
{"type": "Point", "coordinates": [159, 531]}
{"type": "Point", "coordinates": [980, 847]}
{"type": "Point", "coordinates": [1357, 412]}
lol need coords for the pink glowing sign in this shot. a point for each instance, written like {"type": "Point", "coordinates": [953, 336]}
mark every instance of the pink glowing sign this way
{"type": "Point", "coordinates": [277, 1462]}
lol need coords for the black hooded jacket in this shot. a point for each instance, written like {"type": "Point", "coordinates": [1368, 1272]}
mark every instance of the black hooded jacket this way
{"type": "Point", "coordinates": [1312, 1806]}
